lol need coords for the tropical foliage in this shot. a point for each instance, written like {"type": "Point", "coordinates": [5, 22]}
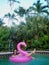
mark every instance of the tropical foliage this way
{"type": "Point", "coordinates": [35, 31]}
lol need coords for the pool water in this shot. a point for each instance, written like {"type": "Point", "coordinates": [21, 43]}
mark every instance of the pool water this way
{"type": "Point", "coordinates": [39, 60]}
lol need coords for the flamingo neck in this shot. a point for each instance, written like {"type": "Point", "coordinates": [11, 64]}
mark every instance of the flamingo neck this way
{"type": "Point", "coordinates": [20, 50]}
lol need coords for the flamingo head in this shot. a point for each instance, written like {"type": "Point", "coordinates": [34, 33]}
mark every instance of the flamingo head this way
{"type": "Point", "coordinates": [21, 44]}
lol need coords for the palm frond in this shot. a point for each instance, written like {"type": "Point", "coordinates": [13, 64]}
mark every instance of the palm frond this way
{"type": "Point", "coordinates": [15, 19]}
{"type": "Point", "coordinates": [37, 4]}
{"type": "Point", "coordinates": [15, 11]}
{"type": "Point", "coordinates": [45, 11]}
{"type": "Point", "coordinates": [14, 1]}
{"type": "Point", "coordinates": [21, 11]}
{"type": "Point", "coordinates": [46, 6]}
{"type": "Point", "coordinates": [32, 8]}
{"type": "Point", "coordinates": [7, 15]}
{"type": "Point", "coordinates": [18, 1]}
{"type": "Point", "coordinates": [1, 21]}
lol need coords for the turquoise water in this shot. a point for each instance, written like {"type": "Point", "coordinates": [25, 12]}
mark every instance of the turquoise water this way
{"type": "Point", "coordinates": [39, 60]}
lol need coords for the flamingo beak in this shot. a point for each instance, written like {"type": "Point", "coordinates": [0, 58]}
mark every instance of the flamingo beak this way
{"type": "Point", "coordinates": [25, 45]}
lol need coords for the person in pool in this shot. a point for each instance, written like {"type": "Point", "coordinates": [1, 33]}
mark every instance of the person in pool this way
{"type": "Point", "coordinates": [29, 54]}
{"type": "Point", "coordinates": [14, 53]}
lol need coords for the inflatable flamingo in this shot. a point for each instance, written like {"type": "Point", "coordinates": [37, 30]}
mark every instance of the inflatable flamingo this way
{"type": "Point", "coordinates": [21, 57]}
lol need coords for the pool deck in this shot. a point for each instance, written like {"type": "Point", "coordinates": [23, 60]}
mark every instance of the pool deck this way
{"type": "Point", "coordinates": [37, 52]}
{"type": "Point", "coordinates": [41, 52]}
{"type": "Point", "coordinates": [5, 53]}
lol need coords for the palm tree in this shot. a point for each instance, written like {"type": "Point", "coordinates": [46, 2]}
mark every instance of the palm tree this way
{"type": "Point", "coordinates": [22, 12]}
{"type": "Point", "coordinates": [11, 3]}
{"type": "Point", "coordinates": [38, 8]}
{"type": "Point", "coordinates": [10, 17]}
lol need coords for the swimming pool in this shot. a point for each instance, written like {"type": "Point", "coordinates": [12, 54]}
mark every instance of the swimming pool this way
{"type": "Point", "coordinates": [39, 60]}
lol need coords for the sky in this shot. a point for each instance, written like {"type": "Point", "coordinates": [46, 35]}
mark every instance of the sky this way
{"type": "Point", "coordinates": [5, 8]}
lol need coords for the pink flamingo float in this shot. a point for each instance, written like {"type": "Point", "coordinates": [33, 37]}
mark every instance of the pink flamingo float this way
{"type": "Point", "coordinates": [21, 57]}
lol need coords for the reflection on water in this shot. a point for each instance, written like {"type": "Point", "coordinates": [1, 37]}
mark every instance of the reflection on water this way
{"type": "Point", "coordinates": [39, 60]}
{"type": "Point", "coordinates": [26, 63]}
